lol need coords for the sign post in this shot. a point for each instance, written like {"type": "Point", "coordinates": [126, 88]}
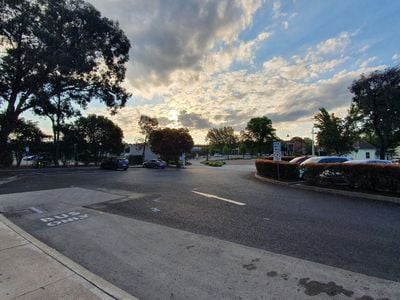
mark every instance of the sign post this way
{"type": "Point", "coordinates": [277, 155]}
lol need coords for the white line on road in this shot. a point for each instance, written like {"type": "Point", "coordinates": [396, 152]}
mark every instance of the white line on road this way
{"type": "Point", "coordinates": [219, 198]}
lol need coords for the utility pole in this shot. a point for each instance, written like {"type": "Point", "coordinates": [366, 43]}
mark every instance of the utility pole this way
{"type": "Point", "coordinates": [312, 142]}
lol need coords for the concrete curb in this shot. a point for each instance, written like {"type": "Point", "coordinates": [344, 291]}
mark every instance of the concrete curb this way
{"type": "Point", "coordinates": [330, 191]}
{"type": "Point", "coordinates": [105, 286]}
{"type": "Point", "coordinates": [274, 181]}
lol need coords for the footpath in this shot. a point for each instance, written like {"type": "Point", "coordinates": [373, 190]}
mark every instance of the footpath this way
{"type": "Point", "coordinates": [31, 270]}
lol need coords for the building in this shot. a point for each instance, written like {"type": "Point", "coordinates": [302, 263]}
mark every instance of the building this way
{"type": "Point", "coordinates": [364, 150]}
{"type": "Point", "coordinates": [137, 150]}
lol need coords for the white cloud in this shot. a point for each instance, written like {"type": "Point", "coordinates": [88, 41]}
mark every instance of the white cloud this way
{"type": "Point", "coordinates": [285, 24]}
{"type": "Point", "coordinates": [276, 9]}
{"type": "Point", "coordinates": [171, 38]}
{"type": "Point", "coordinates": [396, 56]}
{"type": "Point", "coordinates": [334, 45]}
{"type": "Point", "coordinates": [183, 52]}
{"type": "Point", "coordinates": [313, 63]}
{"type": "Point", "coordinates": [369, 60]}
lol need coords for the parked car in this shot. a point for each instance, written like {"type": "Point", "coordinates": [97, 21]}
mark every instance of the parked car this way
{"type": "Point", "coordinates": [369, 161]}
{"type": "Point", "coordinates": [115, 163]}
{"type": "Point", "coordinates": [155, 163]}
{"type": "Point", "coordinates": [299, 160]}
{"type": "Point", "coordinates": [324, 160]}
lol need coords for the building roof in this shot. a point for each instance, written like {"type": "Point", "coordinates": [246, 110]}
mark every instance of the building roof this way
{"type": "Point", "coordinates": [364, 145]}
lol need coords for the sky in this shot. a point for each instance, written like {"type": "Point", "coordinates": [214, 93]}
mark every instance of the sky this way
{"type": "Point", "coordinates": [201, 63]}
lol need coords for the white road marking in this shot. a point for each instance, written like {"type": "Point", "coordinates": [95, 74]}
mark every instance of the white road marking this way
{"type": "Point", "coordinates": [36, 210]}
{"type": "Point", "coordinates": [219, 198]}
{"type": "Point", "coordinates": [155, 209]}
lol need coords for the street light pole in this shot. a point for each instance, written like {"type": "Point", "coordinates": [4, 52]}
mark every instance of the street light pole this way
{"type": "Point", "coordinates": [75, 162]}
{"type": "Point", "coordinates": [312, 142]}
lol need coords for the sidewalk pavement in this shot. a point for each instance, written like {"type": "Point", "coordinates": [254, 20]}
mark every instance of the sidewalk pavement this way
{"type": "Point", "coordinates": [31, 270]}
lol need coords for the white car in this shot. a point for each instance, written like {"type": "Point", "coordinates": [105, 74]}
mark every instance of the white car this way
{"type": "Point", "coordinates": [368, 161]}
{"type": "Point", "coordinates": [324, 160]}
{"type": "Point", "coordinates": [321, 160]}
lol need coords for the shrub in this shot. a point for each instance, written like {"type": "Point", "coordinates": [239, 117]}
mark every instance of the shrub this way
{"type": "Point", "coordinates": [373, 177]}
{"type": "Point", "coordinates": [7, 161]}
{"type": "Point", "coordinates": [135, 159]}
{"type": "Point", "coordinates": [269, 168]}
{"type": "Point", "coordinates": [284, 158]}
{"type": "Point", "coordinates": [213, 163]}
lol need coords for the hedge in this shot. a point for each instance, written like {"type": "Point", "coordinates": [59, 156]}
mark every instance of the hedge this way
{"type": "Point", "coordinates": [269, 168]}
{"type": "Point", "coordinates": [213, 163]}
{"type": "Point", "coordinates": [135, 159]}
{"type": "Point", "coordinates": [283, 158]}
{"type": "Point", "coordinates": [373, 177]}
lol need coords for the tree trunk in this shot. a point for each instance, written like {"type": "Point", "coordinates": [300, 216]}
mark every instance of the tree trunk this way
{"type": "Point", "coordinates": [55, 142]}
{"type": "Point", "coordinates": [6, 128]}
{"type": "Point", "coordinates": [382, 149]}
{"type": "Point", "coordinates": [4, 149]}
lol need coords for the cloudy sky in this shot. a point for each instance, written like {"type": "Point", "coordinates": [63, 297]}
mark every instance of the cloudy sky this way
{"type": "Point", "coordinates": [203, 63]}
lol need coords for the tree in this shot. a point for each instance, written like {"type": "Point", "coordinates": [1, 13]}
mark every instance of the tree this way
{"type": "Point", "coordinates": [57, 53]}
{"type": "Point", "coordinates": [333, 135]}
{"type": "Point", "coordinates": [170, 143]}
{"type": "Point", "coordinates": [307, 145]}
{"type": "Point", "coordinates": [243, 149]}
{"type": "Point", "coordinates": [147, 125]}
{"type": "Point", "coordinates": [377, 97]}
{"type": "Point", "coordinates": [259, 133]}
{"type": "Point", "coordinates": [100, 135]}
{"type": "Point", "coordinates": [73, 145]}
{"type": "Point", "coordinates": [26, 135]}
{"type": "Point", "coordinates": [220, 138]}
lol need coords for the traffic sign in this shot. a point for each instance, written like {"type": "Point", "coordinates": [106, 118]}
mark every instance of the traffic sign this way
{"type": "Point", "coordinates": [277, 151]}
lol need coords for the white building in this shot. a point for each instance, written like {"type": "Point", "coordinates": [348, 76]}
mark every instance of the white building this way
{"type": "Point", "coordinates": [364, 150]}
{"type": "Point", "coordinates": [137, 149]}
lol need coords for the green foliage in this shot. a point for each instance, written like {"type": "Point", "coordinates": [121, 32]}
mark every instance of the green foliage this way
{"type": "Point", "coordinates": [333, 135]}
{"type": "Point", "coordinates": [26, 134]}
{"type": "Point", "coordinates": [226, 150]}
{"type": "Point", "coordinates": [213, 163]}
{"type": "Point", "coordinates": [377, 98]}
{"type": "Point", "coordinates": [219, 138]}
{"type": "Point", "coordinates": [58, 53]}
{"type": "Point", "coordinates": [170, 143]}
{"type": "Point", "coordinates": [147, 125]}
{"type": "Point", "coordinates": [98, 136]}
{"type": "Point", "coordinates": [269, 169]}
{"type": "Point", "coordinates": [259, 134]}
{"type": "Point", "coordinates": [243, 148]}
{"type": "Point", "coordinates": [307, 145]}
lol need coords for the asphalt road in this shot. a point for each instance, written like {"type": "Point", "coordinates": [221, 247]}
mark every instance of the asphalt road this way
{"type": "Point", "coordinates": [226, 203]}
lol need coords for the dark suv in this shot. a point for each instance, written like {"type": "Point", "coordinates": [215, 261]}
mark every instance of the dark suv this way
{"type": "Point", "coordinates": [115, 163]}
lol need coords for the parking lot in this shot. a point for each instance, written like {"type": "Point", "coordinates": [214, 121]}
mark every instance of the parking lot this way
{"type": "Point", "coordinates": [208, 233]}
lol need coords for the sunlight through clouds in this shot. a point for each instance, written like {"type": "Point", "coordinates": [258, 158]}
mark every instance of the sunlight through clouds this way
{"type": "Point", "coordinates": [216, 63]}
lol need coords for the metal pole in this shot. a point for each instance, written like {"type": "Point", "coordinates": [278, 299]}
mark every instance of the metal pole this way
{"type": "Point", "coordinates": [75, 162]}
{"type": "Point", "coordinates": [312, 142]}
